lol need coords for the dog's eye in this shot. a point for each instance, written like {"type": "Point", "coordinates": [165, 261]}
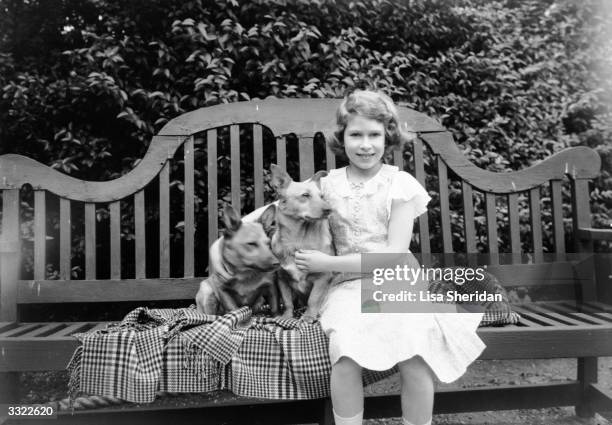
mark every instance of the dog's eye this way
{"type": "Point", "coordinates": [306, 195]}
{"type": "Point", "coordinates": [252, 244]}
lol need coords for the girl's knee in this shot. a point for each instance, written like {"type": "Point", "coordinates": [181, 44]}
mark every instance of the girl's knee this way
{"type": "Point", "coordinates": [415, 370]}
{"type": "Point", "coordinates": [346, 365]}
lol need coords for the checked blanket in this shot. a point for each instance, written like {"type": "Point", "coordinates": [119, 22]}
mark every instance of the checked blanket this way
{"type": "Point", "coordinates": [184, 351]}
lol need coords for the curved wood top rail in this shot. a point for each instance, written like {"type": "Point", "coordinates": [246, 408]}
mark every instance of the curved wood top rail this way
{"type": "Point", "coordinates": [579, 163]}
{"type": "Point", "coordinates": [302, 117]}
{"type": "Point", "coordinates": [17, 170]}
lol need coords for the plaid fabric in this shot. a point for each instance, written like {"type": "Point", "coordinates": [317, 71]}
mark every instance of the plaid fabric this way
{"type": "Point", "coordinates": [288, 357]}
{"type": "Point", "coordinates": [124, 364]}
{"type": "Point", "coordinates": [181, 350]}
{"type": "Point", "coordinates": [495, 312]}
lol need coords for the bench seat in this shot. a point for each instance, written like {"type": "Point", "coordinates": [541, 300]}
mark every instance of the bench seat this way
{"type": "Point", "coordinates": [547, 330]}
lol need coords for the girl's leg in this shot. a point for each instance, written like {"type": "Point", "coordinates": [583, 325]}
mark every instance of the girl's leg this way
{"type": "Point", "coordinates": [417, 391]}
{"type": "Point", "coordinates": [347, 392]}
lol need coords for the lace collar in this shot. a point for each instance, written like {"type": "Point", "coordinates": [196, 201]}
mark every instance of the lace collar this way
{"type": "Point", "coordinates": [340, 183]}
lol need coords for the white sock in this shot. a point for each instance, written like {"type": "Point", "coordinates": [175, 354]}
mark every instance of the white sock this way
{"type": "Point", "coordinates": [407, 422]}
{"type": "Point", "coordinates": [355, 420]}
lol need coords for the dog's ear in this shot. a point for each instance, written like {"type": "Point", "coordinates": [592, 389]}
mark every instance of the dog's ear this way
{"type": "Point", "coordinates": [231, 220]}
{"type": "Point", "coordinates": [268, 220]}
{"type": "Point", "coordinates": [317, 177]}
{"type": "Point", "coordinates": [280, 178]}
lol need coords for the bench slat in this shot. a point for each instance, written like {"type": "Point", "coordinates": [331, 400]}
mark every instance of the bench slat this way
{"type": "Point", "coordinates": [581, 217]}
{"type": "Point", "coordinates": [40, 234]}
{"type": "Point", "coordinates": [164, 221]}
{"type": "Point", "coordinates": [71, 328]}
{"type": "Point", "coordinates": [445, 218]}
{"type": "Point", "coordinates": [330, 158]}
{"type": "Point", "coordinates": [419, 171]}
{"type": "Point", "coordinates": [536, 223]}
{"type": "Point", "coordinates": [213, 208]}
{"type": "Point", "coordinates": [115, 240]}
{"type": "Point", "coordinates": [537, 317]}
{"type": "Point", "coordinates": [139, 234]}
{"type": "Point", "coordinates": [601, 306]}
{"type": "Point", "coordinates": [21, 329]}
{"type": "Point", "coordinates": [90, 241]}
{"type": "Point", "coordinates": [65, 236]}
{"type": "Point", "coordinates": [553, 315]}
{"type": "Point", "coordinates": [558, 273]}
{"type": "Point", "coordinates": [306, 152]}
{"type": "Point", "coordinates": [281, 152]}
{"type": "Point", "coordinates": [398, 158]}
{"type": "Point", "coordinates": [557, 215]}
{"type": "Point", "coordinates": [534, 343]}
{"type": "Point", "coordinates": [513, 218]}
{"type": "Point", "coordinates": [468, 218]}
{"type": "Point", "coordinates": [189, 206]}
{"type": "Point", "coordinates": [47, 330]}
{"type": "Point", "coordinates": [84, 291]}
{"type": "Point", "coordinates": [43, 329]}
{"type": "Point", "coordinates": [561, 308]}
{"type": "Point", "coordinates": [9, 269]}
{"type": "Point", "coordinates": [258, 165]}
{"type": "Point", "coordinates": [57, 291]}
{"type": "Point", "coordinates": [591, 311]}
{"type": "Point", "coordinates": [491, 213]}
{"type": "Point", "coordinates": [235, 166]}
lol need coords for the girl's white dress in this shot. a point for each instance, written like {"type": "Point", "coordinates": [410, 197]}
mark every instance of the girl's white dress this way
{"type": "Point", "coordinates": [446, 341]}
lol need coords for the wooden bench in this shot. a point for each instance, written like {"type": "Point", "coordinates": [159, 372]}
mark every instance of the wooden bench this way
{"type": "Point", "coordinates": [219, 154]}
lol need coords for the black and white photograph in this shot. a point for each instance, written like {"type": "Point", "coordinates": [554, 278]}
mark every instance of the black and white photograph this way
{"type": "Point", "coordinates": [291, 212]}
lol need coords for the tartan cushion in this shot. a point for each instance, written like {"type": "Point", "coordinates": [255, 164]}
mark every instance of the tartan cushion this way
{"type": "Point", "coordinates": [495, 312]}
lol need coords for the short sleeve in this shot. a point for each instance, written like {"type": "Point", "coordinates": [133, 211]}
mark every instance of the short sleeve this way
{"type": "Point", "coordinates": [406, 188]}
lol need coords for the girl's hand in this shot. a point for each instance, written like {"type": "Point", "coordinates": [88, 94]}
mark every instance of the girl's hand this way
{"type": "Point", "coordinates": [311, 261]}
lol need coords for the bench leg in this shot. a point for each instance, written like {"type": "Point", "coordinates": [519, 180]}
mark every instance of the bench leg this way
{"type": "Point", "coordinates": [327, 415]}
{"type": "Point", "coordinates": [587, 374]}
{"type": "Point", "coordinates": [9, 387]}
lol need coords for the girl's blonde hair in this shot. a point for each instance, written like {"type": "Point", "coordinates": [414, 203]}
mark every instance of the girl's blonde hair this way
{"type": "Point", "coordinates": [373, 105]}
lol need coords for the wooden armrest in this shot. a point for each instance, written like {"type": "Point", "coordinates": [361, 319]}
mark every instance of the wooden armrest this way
{"type": "Point", "coordinates": [589, 233]}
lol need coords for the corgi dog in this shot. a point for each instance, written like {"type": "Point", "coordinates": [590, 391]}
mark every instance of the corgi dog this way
{"type": "Point", "coordinates": [244, 273]}
{"type": "Point", "coordinates": [301, 222]}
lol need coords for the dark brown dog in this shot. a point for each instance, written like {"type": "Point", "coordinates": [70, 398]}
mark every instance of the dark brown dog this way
{"type": "Point", "coordinates": [301, 223]}
{"type": "Point", "coordinates": [244, 273]}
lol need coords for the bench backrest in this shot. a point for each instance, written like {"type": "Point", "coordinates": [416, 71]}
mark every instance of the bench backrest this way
{"type": "Point", "coordinates": [144, 236]}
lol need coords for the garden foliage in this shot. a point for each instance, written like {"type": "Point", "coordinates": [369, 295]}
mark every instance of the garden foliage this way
{"type": "Point", "coordinates": [86, 84]}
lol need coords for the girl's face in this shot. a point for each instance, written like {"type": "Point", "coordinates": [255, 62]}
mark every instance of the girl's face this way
{"type": "Point", "coordinates": [364, 142]}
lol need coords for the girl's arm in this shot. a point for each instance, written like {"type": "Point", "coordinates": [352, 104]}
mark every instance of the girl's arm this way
{"type": "Point", "coordinates": [401, 223]}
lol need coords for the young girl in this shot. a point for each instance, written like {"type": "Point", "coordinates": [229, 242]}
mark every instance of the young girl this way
{"type": "Point", "coordinates": [375, 206]}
